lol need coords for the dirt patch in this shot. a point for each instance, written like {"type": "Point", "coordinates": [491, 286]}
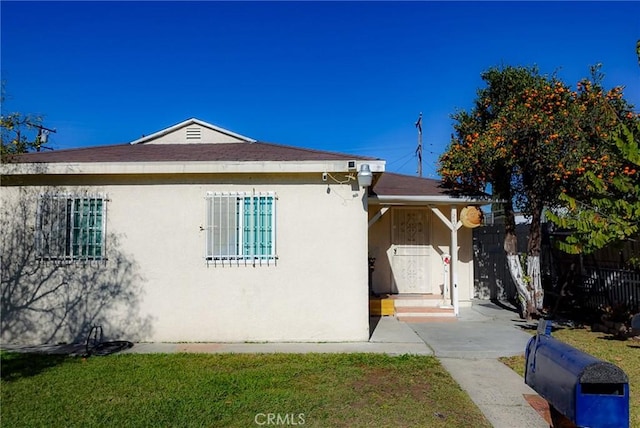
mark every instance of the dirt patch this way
{"type": "Point", "coordinates": [379, 386]}
{"type": "Point", "coordinates": [540, 405]}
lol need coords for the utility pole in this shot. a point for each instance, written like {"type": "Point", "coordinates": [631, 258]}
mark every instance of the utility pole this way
{"type": "Point", "coordinates": [419, 149]}
{"type": "Point", "coordinates": [16, 125]}
{"type": "Point", "coordinates": [42, 137]}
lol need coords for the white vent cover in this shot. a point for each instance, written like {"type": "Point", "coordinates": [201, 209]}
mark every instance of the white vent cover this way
{"type": "Point", "coordinates": [194, 133]}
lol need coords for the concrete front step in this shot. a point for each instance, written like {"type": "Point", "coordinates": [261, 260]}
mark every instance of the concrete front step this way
{"type": "Point", "coordinates": [424, 314]}
{"type": "Point", "coordinates": [424, 300]}
{"type": "Point", "coordinates": [409, 307]}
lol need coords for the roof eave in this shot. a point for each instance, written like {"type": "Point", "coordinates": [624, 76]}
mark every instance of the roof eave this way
{"type": "Point", "coordinates": [181, 167]}
{"type": "Point", "coordinates": [424, 200]}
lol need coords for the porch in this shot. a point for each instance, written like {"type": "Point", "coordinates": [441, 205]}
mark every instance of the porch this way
{"type": "Point", "coordinates": [420, 255]}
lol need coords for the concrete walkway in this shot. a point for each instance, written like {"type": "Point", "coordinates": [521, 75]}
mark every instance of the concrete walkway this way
{"type": "Point", "coordinates": [497, 390]}
{"type": "Point", "coordinates": [468, 349]}
{"type": "Point", "coordinates": [390, 336]}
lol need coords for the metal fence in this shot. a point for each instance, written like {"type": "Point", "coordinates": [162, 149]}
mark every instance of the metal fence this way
{"type": "Point", "coordinates": [610, 288]}
{"type": "Point", "coordinates": [598, 281]}
{"type": "Point", "coordinates": [492, 280]}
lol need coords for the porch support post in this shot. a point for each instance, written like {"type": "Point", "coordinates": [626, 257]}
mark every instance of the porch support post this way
{"type": "Point", "coordinates": [454, 259]}
{"type": "Point", "coordinates": [451, 297]}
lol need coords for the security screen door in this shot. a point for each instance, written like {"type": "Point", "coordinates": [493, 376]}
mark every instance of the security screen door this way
{"type": "Point", "coordinates": [410, 250]}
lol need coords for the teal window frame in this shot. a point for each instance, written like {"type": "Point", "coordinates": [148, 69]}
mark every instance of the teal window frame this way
{"type": "Point", "coordinates": [240, 227]}
{"type": "Point", "coordinates": [71, 227]}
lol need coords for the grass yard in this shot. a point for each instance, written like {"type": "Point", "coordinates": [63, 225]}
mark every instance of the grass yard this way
{"type": "Point", "coordinates": [624, 354]}
{"type": "Point", "coordinates": [223, 390]}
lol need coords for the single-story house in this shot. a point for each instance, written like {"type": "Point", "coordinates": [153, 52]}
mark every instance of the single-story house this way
{"type": "Point", "coordinates": [197, 233]}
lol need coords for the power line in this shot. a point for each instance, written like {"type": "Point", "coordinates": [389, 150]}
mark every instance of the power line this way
{"type": "Point", "coordinates": [410, 155]}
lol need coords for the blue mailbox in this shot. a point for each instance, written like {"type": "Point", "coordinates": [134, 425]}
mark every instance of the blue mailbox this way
{"type": "Point", "coordinates": [587, 391]}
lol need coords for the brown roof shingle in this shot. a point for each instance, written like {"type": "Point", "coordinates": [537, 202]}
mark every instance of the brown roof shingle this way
{"type": "Point", "coordinates": [230, 152]}
{"type": "Point", "coordinates": [391, 184]}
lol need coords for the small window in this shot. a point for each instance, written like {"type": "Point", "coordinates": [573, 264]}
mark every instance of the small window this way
{"type": "Point", "coordinates": [240, 227]}
{"type": "Point", "coordinates": [70, 227]}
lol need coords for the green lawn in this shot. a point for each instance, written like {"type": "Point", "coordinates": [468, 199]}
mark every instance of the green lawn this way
{"type": "Point", "coordinates": [624, 354]}
{"type": "Point", "coordinates": [343, 390]}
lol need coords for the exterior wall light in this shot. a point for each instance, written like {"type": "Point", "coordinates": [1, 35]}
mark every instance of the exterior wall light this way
{"type": "Point", "coordinates": [365, 175]}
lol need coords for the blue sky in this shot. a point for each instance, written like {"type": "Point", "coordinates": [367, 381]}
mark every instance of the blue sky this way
{"type": "Point", "coordinates": [340, 76]}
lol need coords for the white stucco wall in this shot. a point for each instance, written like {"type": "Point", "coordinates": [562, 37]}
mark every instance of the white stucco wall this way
{"type": "Point", "coordinates": [315, 291]}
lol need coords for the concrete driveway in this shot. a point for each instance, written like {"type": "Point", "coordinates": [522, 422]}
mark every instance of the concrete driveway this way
{"type": "Point", "coordinates": [485, 330]}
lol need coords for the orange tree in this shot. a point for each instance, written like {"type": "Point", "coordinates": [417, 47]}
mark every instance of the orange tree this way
{"type": "Point", "coordinates": [14, 130]}
{"type": "Point", "coordinates": [13, 134]}
{"type": "Point", "coordinates": [601, 200]}
{"type": "Point", "coordinates": [521, 141]}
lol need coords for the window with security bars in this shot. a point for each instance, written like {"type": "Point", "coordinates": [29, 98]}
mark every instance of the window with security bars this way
{"type": "Point", "coordinates": [240, 226]}
{"type": "Point", "coordinates": [71, 227]}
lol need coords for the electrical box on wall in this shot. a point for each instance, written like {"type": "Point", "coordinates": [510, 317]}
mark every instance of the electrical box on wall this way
{"type": "Point", "coordinates": [351, 165]}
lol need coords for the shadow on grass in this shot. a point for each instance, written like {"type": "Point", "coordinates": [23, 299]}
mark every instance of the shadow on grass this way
{"type": "Point", "coordinates": [20, 365]}
{"type": "Point", "coordinates": [613, 337]}
{"type": "Point", "coordinates": [533, 327]}
{"type": "Point", "coordinates": [107, 348]}
{"type": "Point", "coordinates": [16, 365]}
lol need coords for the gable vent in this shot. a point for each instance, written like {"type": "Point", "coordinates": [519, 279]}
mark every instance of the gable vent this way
{"type": "Point", "coordinates": [194, 133]}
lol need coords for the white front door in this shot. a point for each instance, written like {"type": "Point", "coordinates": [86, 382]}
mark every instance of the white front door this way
{"type": "Point", "coordinates": [410, 250]}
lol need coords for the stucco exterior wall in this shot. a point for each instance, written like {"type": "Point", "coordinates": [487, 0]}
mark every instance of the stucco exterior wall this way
{"type": "Point", "coordinates": [315, 291]}
{"type": "Point", "coordinates": [439, 236]}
